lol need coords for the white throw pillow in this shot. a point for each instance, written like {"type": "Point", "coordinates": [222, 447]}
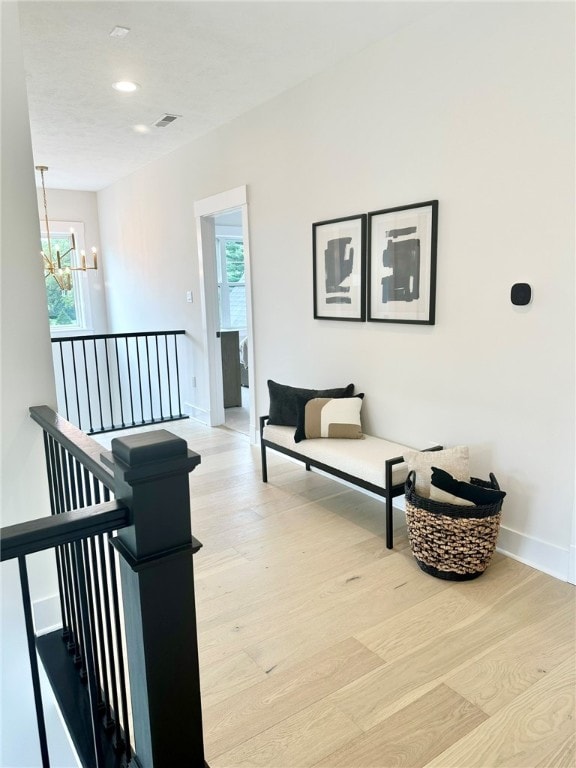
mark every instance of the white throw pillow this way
{"type": "Point", "coordinates": [437, 494]}
{"type": "Point", "coordinates": [453, 460]}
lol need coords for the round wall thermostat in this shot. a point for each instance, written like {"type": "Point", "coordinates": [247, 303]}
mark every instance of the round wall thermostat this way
{"type": "Point", "coordinates": [521, 294]}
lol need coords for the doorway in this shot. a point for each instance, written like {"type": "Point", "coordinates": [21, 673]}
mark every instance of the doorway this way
{"type": "Point", "coordinates": [224, 257]}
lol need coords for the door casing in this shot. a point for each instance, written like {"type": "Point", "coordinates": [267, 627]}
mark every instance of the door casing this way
{"type": "Point", "coordinates": [205, 210]}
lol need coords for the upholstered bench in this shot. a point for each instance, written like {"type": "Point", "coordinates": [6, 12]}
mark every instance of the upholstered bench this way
{"type": "Point", "coordinates": [371, 464]}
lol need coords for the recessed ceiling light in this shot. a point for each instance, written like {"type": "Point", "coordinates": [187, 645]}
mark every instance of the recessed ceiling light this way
{"type": "Point", "coordinates": [141, 128]}
{"type": "Point", "coordinates": [125, 86]}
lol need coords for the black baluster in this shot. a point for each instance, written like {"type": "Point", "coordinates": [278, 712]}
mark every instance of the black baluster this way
{"type": "Point", "coordinates": [79, 484]}
{"type": "Point", "coordinates": [129, 380]}
{"type": "Point", "coordinates": [57, 551]}
{"type": "Point", "coordinates": [71, 638]}
{"type": "Point", "coordinates": [56, 506]}
{"type": "Point", "coordinates": [149, 379]}
{"type": "Point", "coordinates": [26, 604]}
{"type": "Point", "coordinates": [92, 628]}
{"type": "Point", "coordinates": [112, 422]}
{"type": "Point", "coordinates": [75, 646]}
{"type": "Point", "coordinates": [89, 654]}
{"type": "Point", "coordinates": [177, 376]}
{"type": "Point", "coordinates": [71, 481]}
{"type": "Point", "coordinates": [51, 491]}
{"type": "Point", "coordinates": [76, 384]}
{"type": "Point", "coordinates": [59, 492]}
{"type": "Point", "coordinates": [98, 383]}
{"type": "Point", "coordinates": [78, 657]}
{"type": "Point", "coordinates": [119, 383]}
{"type": "Point", "coordinates": [65, 479]}
{"type": "Point", "coordinates": [99, 619]}
{"type": "Point", "coordinates": [120, 743]}
{"type": "Point", "coordinates": [168, 374]}
{"type": "Point", "coordinates": [64, 380]}
{"type": "Point", "coordinates": [113, 720]}
{"type": "Point", "coordinates": [159, 378]}
{"type": "Point", "coordinates": [88, 397]}
{"type": "Point", "coordinates": [140, 379]}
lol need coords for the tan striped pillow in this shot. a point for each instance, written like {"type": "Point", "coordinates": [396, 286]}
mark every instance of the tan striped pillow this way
{"type": "Point", "coordinates": [330, 417]}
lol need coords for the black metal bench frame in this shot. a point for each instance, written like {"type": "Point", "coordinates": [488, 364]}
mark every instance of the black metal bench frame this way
{"type": "Point", "coordinates": [388, 493]}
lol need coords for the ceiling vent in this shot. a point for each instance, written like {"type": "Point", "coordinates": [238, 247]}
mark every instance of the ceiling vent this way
{"type": "Point", "coordinates": [166, 120]}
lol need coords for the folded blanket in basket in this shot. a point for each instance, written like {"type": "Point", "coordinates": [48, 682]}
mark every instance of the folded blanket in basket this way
{"type": "Point", "coordinates": [443, 487]}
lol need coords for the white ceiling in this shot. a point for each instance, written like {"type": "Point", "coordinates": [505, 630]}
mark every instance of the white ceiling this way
{"type": "Point", "coordinates": [207, 61]}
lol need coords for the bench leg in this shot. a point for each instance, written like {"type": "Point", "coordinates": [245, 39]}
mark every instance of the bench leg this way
{"type": "Point", "coordinates": [389, 522]}
{"type": "Point", "coordinates": [308, 468]}
{"type": "Point", "coordinates": [264, 465]}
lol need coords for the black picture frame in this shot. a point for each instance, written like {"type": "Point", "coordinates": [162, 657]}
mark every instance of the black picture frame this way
{"type": "Point", "coordinates": [339, 268]}
{"type": "Point", "coordinates": [402, 245]}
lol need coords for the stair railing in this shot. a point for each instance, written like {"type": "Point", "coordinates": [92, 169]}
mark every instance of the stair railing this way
{"type": "Point", "coordinates": [111, 381]}
{"type": "Point", "coordinates": [124, 666]}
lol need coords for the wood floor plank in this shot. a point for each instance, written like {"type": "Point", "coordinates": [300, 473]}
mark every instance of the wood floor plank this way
{"type": "Point", "coordinates": [297, 741]}
{"type": "Point", "coordinates": [412, 736]}
{"type": "Point", "coordinates": [274, 635]}
{"type": "Point", "coordinates": [533, 729]}
{"type": "Point", "coordinates": [355, 601]}
{"type": "Point", "coordinates": [369, 700]}
{"type": "Point", "coordinates": [211, 565]}
{"type": "Point", "coordinates": [228, 676]}
{"type": "Point", "coordinates": [246, 586]}
{"type": "Point", "coordinates": [419, 625]}
{"type": "Point", "coordinates": [266, 704]}
{"type": "Point", "coordinates": [562, 755]}
{"type": "Point", "coordinates": [516, 663]}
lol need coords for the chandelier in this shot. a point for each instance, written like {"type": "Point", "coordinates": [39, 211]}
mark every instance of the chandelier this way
{"type": "Point", "coordinates": [54, 262]}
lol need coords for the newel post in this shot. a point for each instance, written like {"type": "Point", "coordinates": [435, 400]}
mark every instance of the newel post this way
{"type": "Point", "coordinates": [151, 471]}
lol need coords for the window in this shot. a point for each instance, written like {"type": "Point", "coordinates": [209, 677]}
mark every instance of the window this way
{"type": "Point", "coordinates": [67, 310]}
{"type": "Point", "coordinates": [231, 283]}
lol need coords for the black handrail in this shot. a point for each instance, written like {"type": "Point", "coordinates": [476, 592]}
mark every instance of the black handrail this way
{"type": "Point", "coordinates": [139, 334]}
{"type": "Point", "coordinates": [110, 381]}
{"type": "Point", "coordinates": [50, 532]}
{"type": "Point", "coordinates": [77, 443]}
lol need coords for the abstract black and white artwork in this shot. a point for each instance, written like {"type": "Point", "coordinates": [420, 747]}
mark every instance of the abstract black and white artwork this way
{"type": "Point", "coordinates": [339, 256]}
{"type": "Point", "coordinates": [402, 264]}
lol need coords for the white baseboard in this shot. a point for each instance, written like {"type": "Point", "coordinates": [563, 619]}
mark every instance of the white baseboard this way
{"type": "Point", "coordinates": [539, 554]}
{"type": "Point", "coordinates": [200, 414]}
{"type": "Point", "coordinates": [545, 557]}
{"type": "Point", "coordinates": [572, 565]}
{"type": "Point", "coordinates": [254, 434]}
{"type": "Point", "coordinates": [46, 613]}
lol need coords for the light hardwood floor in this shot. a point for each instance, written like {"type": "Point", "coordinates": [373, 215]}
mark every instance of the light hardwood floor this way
{"type": "Point", "coordinates": [320, 647]}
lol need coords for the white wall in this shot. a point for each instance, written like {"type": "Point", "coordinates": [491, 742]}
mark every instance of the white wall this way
{"type": "Point", "coordinates": [70, 205]}
{"type": "Point", "coordinates": [27, 376]}
{"type": "Point", "coordinates": [27, 379]}
{"type": "Point", "coordinates": [473, 106]}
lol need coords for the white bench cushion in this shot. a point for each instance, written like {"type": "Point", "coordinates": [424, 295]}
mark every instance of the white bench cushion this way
{"type": "Point", "coordinates": [364, 458]}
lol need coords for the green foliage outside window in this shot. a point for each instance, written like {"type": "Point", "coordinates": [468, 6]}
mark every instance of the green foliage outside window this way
{"type": "Point", "coordinates": [234, 261]}
{"type": "Point", "coordinates": [61, 306]}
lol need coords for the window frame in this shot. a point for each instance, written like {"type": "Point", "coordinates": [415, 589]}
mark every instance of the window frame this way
{"type": "Point", "coordinates": [79, 279]}
{"type": "Point", "coordinates": [222, 276]}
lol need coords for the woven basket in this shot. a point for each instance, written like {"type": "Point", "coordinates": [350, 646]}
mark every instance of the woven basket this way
{"type": "Point", "coordinates": [451, 541]}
